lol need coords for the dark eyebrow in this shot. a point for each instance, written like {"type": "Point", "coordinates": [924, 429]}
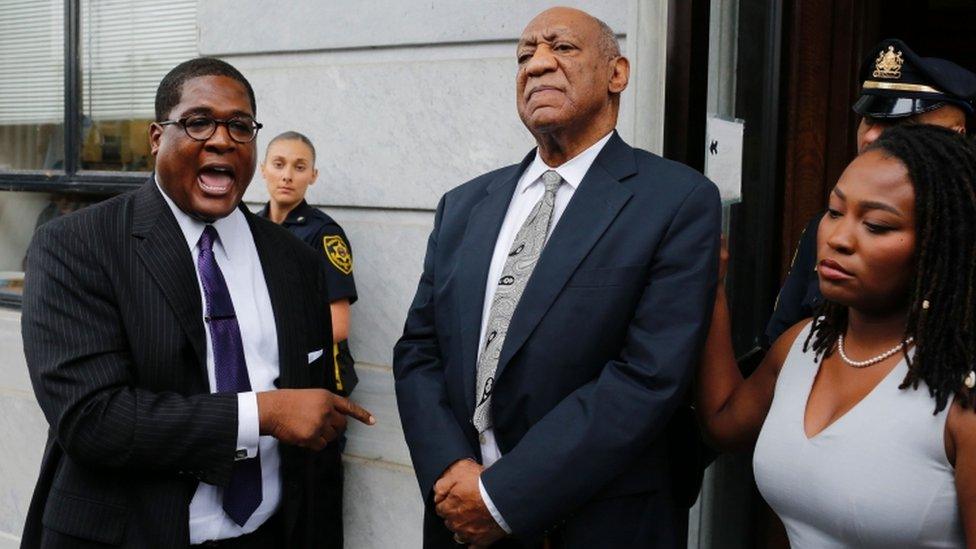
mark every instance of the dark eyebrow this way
{"type": "Point", "coordinates": [872, 205]}
{"type": "Point", "coordinates": [197, 110]}
{"type": "Point", "coordinates": [209, 112]}
{"type": "Point", "coordinates": [556, 33]}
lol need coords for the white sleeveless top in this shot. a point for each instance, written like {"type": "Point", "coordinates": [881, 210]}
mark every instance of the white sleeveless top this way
{"type": "Point", "coordinates": [877, 477]}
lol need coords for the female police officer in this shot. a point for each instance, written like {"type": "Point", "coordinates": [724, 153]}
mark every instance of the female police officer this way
{"type": "Point", "coordinates": [288, 170]}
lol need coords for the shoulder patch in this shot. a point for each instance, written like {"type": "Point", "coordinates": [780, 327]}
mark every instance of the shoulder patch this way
{"type": "Point", "coordinates": [338, 253]}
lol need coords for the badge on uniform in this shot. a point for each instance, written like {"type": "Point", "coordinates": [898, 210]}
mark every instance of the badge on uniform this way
{"type": "Point", "coordinates": [338, 253]}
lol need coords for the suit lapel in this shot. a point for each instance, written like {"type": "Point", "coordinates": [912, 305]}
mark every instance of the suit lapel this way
{"type": "Point", "coordinates": [477, 247]}
{"type": "Point", "coordinates": [163, 250]}
{"type": "Point", "coordinates": [594, 206]}
{"type": "Point", "coordinates": [284, 282]}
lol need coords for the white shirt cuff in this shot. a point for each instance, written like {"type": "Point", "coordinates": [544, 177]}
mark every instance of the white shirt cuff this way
{"type": "Point", "coordinates": [492, 509]}
{"type": "Point", "coordinates": [248, 428]}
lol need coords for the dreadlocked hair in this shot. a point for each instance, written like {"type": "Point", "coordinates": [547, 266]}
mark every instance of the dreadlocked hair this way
{"type": "Point", "coordinates": [941, 165]}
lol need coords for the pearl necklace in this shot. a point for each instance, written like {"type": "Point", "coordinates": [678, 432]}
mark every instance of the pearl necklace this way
{"type": "Point", "coordinates": [870, 361]}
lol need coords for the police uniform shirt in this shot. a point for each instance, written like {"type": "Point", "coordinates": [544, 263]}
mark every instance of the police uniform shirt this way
{"type": "Point", "coordinates": [322, 233]}
{"type": "Point", "coordinates": [800, 294]}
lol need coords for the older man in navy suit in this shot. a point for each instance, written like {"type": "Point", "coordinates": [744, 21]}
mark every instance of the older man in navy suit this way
{"type": "Point", "coordinates": [560, 312]}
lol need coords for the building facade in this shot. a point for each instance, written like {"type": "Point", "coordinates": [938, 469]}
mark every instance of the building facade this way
{"type": "Point", "coordinates": [405, 99]}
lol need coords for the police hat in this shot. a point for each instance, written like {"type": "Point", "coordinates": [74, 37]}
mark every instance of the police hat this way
{"type": "Point", "coordinates": [895, 82]}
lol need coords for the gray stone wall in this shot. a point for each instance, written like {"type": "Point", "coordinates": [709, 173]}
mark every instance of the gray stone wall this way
{"type": "Point", "coordinates": [23, 432]}
{"type": "Point", "coordinates": [403, 100]}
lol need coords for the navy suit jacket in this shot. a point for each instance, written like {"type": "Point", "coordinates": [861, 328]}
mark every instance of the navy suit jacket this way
{"type": "Point", "coordinates": [599, 353]}
{"type": "Point", "coordinates": [115, 345]}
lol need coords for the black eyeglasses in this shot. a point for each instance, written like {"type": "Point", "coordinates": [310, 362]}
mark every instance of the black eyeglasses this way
{"type": "Point", "coordinates": [202, 128]}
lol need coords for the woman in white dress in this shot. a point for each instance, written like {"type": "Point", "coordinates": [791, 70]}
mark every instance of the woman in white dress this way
{"type": "Point", "coordinates": [863, 420]}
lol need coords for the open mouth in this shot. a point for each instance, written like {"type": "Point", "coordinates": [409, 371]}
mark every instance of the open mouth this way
{"type": "Point", "coordinates": [216, 179]}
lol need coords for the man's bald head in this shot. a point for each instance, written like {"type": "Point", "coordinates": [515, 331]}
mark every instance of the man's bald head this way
{"type": "Point", "coordinates": [606, 38]}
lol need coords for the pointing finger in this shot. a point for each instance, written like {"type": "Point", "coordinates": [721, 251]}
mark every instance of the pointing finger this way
{"type": "Point", "coordinates": [354, 410]}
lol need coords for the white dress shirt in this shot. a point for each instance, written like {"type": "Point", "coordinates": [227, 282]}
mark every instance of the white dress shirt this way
{"type": "Point", "coordinates": [237, 257]}
{"type": "Point", "coordinates": [528, 192]}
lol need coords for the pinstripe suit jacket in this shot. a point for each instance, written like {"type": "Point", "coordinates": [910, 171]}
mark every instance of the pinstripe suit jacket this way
{"type": "Point", "coordinates": [115, 346]}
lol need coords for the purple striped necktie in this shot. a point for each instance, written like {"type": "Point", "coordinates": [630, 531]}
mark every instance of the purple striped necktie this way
{"type": "Point", "coordinates": [243, 494]}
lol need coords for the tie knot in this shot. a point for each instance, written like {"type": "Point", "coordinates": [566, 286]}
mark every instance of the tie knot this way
{"type": "Point", "coordinates": [551, 180]}
{"type": "Point", "coordinates": [207, 238]}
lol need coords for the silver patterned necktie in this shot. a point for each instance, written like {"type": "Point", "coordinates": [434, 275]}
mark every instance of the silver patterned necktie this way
{"type": "Point", "coordinates": [521, 261]}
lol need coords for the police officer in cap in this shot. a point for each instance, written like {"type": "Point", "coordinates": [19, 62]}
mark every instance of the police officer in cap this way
{"type": "Point", "coordinates": [288, 170]}
{"type": "Point", "coordinates": [898, 87]}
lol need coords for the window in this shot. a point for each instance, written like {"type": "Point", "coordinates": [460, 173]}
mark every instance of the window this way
{"type": "Point", "coordinates": [126, 48]}
{"type": "Point", "coordinates": [31, 84]}
{"type": "Point", "coordinates": [77, 85]}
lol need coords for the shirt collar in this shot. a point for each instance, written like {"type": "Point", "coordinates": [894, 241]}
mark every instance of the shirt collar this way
{"type": "Point", "coordinates": [572, 171]}
{"type": "Point", "coordinates": [228, 228]}
{"type": "Point", "coordinates": [297, 216]}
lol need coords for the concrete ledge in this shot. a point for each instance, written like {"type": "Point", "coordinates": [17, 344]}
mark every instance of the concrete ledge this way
{"type": "Point", "coordinates": [23, 432]}
{"type": "Point", "coordinates": [13, 366]}
{"type": "Point", "coordinates": [395, 133]}
{"type": "Point", "coordinates": [382, 506]}
{"type": "Point", "coordinates": [397, 129]}
{"type": "Point", "coordinates": [9, 541]}
{"type": "Point", "coordinates": [383, 441]}
{"type": "Point", "coordinates": [228, 27]}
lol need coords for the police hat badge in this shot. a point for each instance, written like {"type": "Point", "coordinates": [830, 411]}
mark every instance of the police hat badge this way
{"type": "Point", "coordinates": [896, 82]}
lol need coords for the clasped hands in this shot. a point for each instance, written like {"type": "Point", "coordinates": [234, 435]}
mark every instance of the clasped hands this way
{"type": "Point", "coordinates": [457, 500]}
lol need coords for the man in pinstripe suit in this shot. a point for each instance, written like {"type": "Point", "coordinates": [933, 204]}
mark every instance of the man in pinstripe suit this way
{"type": "Point", "coordinates": [175, 345]}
